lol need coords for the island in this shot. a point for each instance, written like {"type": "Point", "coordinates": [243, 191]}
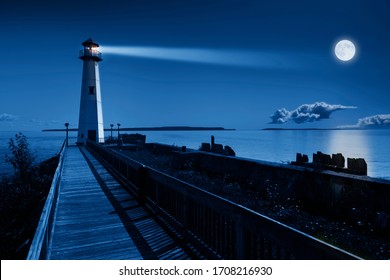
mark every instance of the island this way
{"type": "Point", "coordinates": [159, 128]}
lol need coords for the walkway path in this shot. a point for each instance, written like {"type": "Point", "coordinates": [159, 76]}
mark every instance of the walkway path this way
{"type": "Point", "coordinates": [97, 218]}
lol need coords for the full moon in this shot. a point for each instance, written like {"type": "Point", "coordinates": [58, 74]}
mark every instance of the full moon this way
{"type": "Point", "coordinates": [345, 50]}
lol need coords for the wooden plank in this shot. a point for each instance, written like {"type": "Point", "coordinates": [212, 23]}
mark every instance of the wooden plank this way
{"type": "Point", "coordinates": [97, 219]}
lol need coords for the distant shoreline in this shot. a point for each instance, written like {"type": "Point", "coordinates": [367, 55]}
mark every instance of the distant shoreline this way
{"type": "Point", "coordinates": [275, 128]}
{"type": "Point", "coordinates": [200, 128]}
{"type": "Point", "coordinates": [173, 128]}
{"type": "Point", "coordinates": [59, 129]}
{"type": "Point", "coordinates": [160, 128]}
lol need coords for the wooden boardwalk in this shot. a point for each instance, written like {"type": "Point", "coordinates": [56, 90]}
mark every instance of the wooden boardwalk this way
{"type": "Point", "coordinates": [96, 218]}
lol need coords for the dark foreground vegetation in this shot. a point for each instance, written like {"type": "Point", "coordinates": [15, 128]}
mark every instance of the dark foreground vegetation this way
{"type": "Point", "coordinates": [23, 196]}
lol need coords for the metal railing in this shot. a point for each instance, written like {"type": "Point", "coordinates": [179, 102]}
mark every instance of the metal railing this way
{"type": "Point", "coordinates": [39, 246]}
{"type": "Point", "coordinates": [220, 228]}
{"type": "Point", "coordinates": [92, 53]}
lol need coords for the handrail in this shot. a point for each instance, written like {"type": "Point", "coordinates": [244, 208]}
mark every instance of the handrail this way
{"type": "Point", "coordinates": [226, 229]}
{"type": "Point", "coordinates": [90, 53]}
{"type": "Point", "coordinates": [39, 245]}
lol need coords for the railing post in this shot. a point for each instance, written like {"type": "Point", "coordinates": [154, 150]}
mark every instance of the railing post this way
{"type": "Point", "coordinates": [186, 212]}
{"type": "Point", "coordinates": [239, 240]}
{"type": "Point", "coordinates": [142, 184]}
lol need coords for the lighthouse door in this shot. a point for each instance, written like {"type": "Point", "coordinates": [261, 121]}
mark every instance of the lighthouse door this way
{"type": "Point", "coordinates": [92, 135]}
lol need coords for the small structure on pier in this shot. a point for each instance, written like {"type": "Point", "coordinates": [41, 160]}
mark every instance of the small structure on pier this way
{"type": "Point", "coordinates": [128, 141]}
{"type": "Point", "coordinates": [217, 148]}
{"type": "Point", "coordinates": [91, 113]}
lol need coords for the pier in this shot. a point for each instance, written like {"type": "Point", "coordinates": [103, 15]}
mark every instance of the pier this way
{"type": "Point", "coordinates": [96, 218]}
{"type": "Point", "coordinates": [104, 205]}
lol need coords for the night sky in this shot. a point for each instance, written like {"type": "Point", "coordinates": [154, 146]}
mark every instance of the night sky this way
{"type": "Point", "coordinates": [289, 76]}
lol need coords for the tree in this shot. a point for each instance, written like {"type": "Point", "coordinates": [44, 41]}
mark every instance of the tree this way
{"type": "Point", "coordinates": [21, 158]}
{"type": "Point", "coordinates": [22, 198]}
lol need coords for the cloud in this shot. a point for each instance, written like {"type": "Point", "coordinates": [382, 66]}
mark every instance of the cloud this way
{"type": "Point", "coordinates": [4, 117]}
{"type": "Point", "coordinates": [281, 116]}
{"type": "Point", "coordinates": [376, 121]}
{"type": "Point", "coordinates": [307, 113]}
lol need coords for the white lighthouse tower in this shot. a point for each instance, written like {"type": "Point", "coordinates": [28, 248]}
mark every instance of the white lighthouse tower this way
{"type": "Point", "coordinates": [91, 113]}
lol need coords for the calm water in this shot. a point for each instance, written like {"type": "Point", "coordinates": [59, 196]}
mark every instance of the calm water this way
{"type": "Point", "coordinates": [275, 146]}
{"type": "Point", "coordinates": [42, 144]}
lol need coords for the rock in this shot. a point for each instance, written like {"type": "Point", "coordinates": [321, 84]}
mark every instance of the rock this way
{"type": "Point", "coordinates": [205, 147]}
{"type": "Point", "coordinates": [301, 158]}
{"type": "Point", "coordinates": [338, 160]}
{"type": "Point", "coordinates": [229, 151]}
{"type": "Point", "coordinates": [218, 148]}
{"type": "Point", "coordinates": [358, 165]}
{"type": "Point", "coordinates": [321, 158]}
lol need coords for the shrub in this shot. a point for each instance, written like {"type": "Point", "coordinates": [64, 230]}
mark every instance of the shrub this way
{"type": "Point", "coordinates": [21, 158]}
{"type": "Point", "coordinates": [22, 198]}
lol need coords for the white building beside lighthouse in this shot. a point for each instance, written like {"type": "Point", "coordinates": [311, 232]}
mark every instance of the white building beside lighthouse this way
{"type": "Point", "coordinates": [91, 113]}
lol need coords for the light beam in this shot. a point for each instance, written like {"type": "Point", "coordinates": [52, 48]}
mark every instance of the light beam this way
{"type": "Point", "coordinates": [227, 57]}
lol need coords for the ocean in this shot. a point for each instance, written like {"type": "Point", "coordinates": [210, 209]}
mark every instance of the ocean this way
{"type": "Point", "coordinates": [268, 145]}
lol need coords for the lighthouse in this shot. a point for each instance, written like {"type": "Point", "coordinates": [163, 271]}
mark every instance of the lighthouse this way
{"type": "Point", "coordinates": [91, 113]}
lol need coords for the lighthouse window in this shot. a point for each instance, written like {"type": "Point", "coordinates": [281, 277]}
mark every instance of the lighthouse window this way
{"type": "Point", "coordinates": [91, 90]}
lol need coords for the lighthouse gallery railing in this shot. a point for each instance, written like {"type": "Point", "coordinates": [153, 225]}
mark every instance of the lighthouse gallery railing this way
{"type": "Point", "coordinates": [86, 52]}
